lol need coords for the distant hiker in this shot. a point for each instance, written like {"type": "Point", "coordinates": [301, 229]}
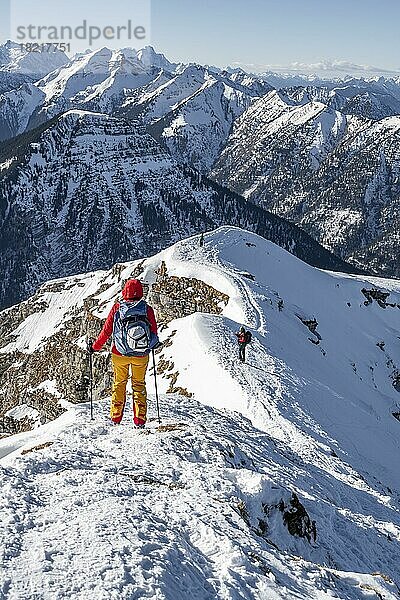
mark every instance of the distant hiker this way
{"type": "Point", "coordinates": [133, 326]}
{"type": "Point", "coordinates": [244, 338]}
{"type": "Point", "coordinates": [202, 240]}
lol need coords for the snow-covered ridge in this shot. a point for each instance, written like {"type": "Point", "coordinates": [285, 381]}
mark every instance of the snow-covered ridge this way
{"type": "Point", "coordinates": [311, 413]}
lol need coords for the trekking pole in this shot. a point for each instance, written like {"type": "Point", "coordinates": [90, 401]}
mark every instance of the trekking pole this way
{"type": "Point", "coordinates": [89, 345]}
{"type": "Point", "coordinates": [155, 381]}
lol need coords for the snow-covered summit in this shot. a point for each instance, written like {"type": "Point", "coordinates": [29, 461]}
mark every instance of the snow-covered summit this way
{"type": "Point", "coordinates": [90, 70]}
{"type": "Point", "coordinates": [150, 58]}
{"type": "Point", "coordinates": [311, 413]}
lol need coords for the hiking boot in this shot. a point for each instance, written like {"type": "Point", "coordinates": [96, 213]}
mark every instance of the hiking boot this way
{"type": "Point", "coordinates": [139, 426]}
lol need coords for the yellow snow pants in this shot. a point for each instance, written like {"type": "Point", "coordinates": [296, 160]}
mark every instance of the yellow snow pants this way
{"type": "Point", "coordinates": [121, 366]}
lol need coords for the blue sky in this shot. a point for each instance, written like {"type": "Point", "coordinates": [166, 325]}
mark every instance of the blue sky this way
{"type": "Point", "coordinates": [257, 34]}
{"type": "Point", "coordinates": [279, 32]}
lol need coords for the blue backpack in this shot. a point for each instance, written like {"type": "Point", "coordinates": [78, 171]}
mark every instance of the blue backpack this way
{"type": "Point", "coordinates": [131, 330]}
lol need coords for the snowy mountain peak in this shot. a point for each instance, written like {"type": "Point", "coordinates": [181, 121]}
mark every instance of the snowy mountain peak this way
{"type": "Point", "coordinates": [98, 80]}
{"type": "Point", "coordinates": [15, 59]}
{"type": "Point", "coordinates": [150, 58]}
{"type": "Point", "coordinates": [194, 72]}
{"type": "Point", "coordinates": [7, 49]}
{"type": "Point", "coordinates": [279, 469]}
{"type": "Point", "coordinates": [127, 61]}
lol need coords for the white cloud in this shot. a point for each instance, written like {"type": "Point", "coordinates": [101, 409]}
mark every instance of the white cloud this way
{"type": "Point", "coordinates": [323, 68]}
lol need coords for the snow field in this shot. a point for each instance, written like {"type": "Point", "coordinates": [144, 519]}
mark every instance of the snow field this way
{"type": "Point", "coordinates": [110, 512]}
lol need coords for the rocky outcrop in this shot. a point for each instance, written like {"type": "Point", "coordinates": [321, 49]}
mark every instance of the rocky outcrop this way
{"type": "Point", "coordinates": [11, 426]}
{"type": "Point", "coordinates": [174, 298]}
{"type": "Point", "coordinates": [177, 297]}
{"type": "Point", "coordinates": [396, 380]}
{"type": "Point", "coordinates": [377, 295]}
{"type": "Point", "coordinates": [57, 371]}
{"type": "Point", "coordinates": [297, 520]}
{"type": "Point", "coordinates": [311, 325]}
{"type": "Point", "coordinates": [293, 513]}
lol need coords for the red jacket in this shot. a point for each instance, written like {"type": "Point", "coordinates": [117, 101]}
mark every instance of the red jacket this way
{"type": "Point", "coordinates": [133, 290]}
{"type": "Point", "coordinates": [241, 338]}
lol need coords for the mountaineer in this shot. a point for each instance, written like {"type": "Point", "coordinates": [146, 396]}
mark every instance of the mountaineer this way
{"type": "Point", "coordinates": [244, 338]}
{"type": "Point", "coordinates": [133, 326]}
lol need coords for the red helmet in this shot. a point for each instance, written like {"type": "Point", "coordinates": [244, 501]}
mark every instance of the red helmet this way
{"type": "Point", "coordinates": [133, 290]}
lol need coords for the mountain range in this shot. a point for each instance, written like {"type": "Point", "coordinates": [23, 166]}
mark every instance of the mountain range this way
{"type": "Point", "coordinates": [86, 190]}
{"type": "Point", "coordinates": [87, 144]}
{"type": "Point", "coordinates": [276, 478]}
{"type": "Point", "coordinates": [336, 175]}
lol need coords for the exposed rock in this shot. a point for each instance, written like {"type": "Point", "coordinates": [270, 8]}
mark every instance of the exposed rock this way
{"type": "Point", "coordinates": [260, 563]}
{"type": "Point", "coordinates": [148, 480]}
{"type": "Point", "coordinates": [394, 372]}
{"type": "Point", "coordinates": [311, 325]}
{"type": "Point", "coordinates": [396, 380]}
{"type": "Point", "coordinates": [24, 376]}
{"type": "Point", "coordinates": [171, 427]}
{"type": "Point", "coordinates": [37, 448]}
{"type": "Point", "coordinates": [241, 508]}
{"type": "Point", "coordinates": [176, 297]}
{"type": "Point", "coordinates": [248, 276]}
{"type": "Point", "coordinates": [377, 295]}
{"type": "Point", "coordinates": [179, 390]}
{"type": "Point", "coordinates": [297, 519]}
{"type": "Point", "coordinates": [173, 298]}
{"type": "Point", "coordinates": [165, 368]}
{"type": "Point", "coordinates": [10, 426]}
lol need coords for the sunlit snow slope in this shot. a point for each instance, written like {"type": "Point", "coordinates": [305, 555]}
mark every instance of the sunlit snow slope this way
{"type": "Point", "coordinates": [108, 512]}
